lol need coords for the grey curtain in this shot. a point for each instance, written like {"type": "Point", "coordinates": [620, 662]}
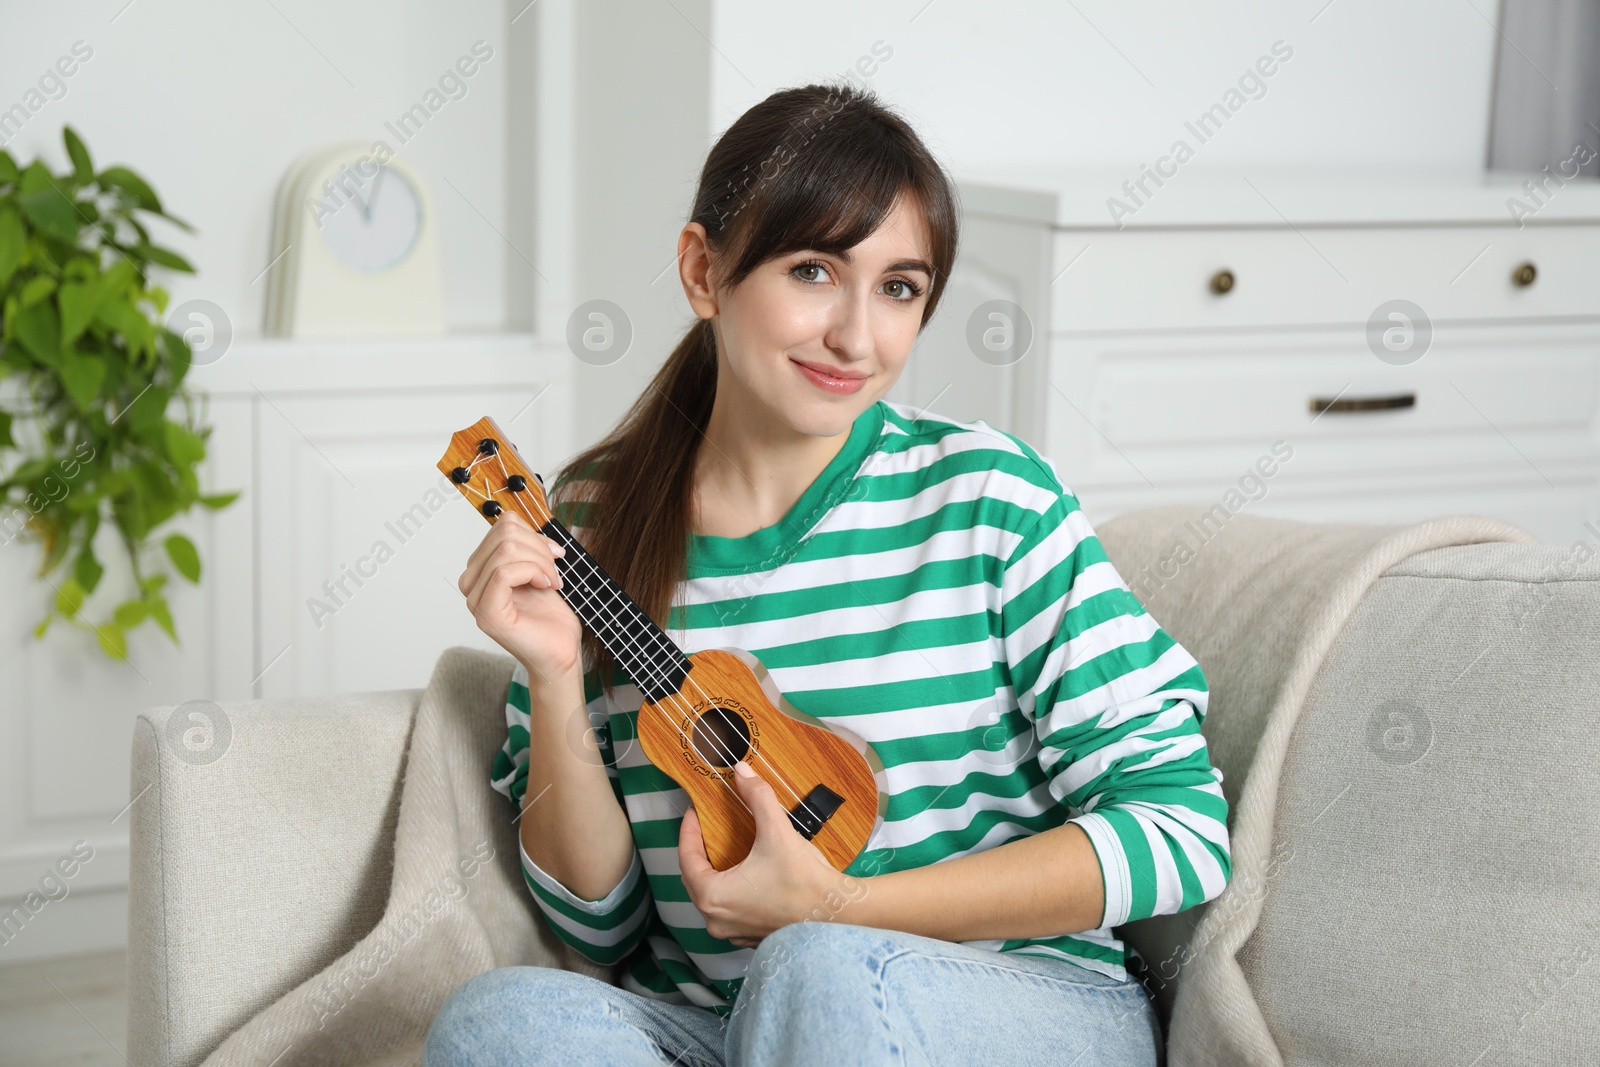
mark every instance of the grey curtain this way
{"type": "Point", "coordinates": [1547, 88]}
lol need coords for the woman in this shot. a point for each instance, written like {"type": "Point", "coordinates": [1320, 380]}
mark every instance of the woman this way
{"type": "Point", "coordinates": [928, 583]}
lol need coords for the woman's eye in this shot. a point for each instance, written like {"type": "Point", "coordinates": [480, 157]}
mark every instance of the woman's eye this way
{"type": "Point", "coordinates": [809, 265]}
{"type": "Point", "coordinates": [906, 291]}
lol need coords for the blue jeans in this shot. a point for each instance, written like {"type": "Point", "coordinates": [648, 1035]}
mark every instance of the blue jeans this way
{"type": "Point", "coordinates": [814, 993]}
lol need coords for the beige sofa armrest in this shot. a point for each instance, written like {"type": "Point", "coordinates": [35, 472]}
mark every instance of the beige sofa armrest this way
{"type": "Point", "coordinates": [262, 837]}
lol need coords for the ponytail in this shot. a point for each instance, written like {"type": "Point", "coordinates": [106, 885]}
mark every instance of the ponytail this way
{"type": "Point", "coordinates": [636, 522]}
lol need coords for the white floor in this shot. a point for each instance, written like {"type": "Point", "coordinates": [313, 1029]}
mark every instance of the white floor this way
{"type": "Point", "coordinates": [72, 1010]}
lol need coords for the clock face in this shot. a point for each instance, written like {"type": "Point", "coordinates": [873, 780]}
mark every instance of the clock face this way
{"type": "Point", "coordinates": [378, 219]}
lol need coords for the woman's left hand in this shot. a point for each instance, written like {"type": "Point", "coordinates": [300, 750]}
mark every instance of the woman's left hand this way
{"type": "Point", "coordinates": [783, 880]}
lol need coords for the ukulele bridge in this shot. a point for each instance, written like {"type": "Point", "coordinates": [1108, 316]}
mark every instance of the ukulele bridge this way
{"type": "Point", "coordinates": [818, 806]}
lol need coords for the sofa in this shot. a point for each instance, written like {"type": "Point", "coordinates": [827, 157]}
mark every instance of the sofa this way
{"type": "Point", "coordinates": [1432, 894]}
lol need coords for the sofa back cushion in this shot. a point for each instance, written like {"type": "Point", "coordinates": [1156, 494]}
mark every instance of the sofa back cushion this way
{"type": "Point", "coordinates": [1434, 894]}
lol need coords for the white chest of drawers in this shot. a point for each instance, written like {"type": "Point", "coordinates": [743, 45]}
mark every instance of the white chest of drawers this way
{"type": "Point", "coordinates": [1238, 323]}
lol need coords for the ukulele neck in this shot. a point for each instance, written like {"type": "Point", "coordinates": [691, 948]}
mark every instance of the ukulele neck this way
{"type": "Point", "coordinates": [652, 660]}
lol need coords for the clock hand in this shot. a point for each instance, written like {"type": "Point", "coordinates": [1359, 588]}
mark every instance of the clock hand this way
{"type": "Point", "coordinates": [351, 191]}
{"type": "Point", "coordinates": [382, 170]}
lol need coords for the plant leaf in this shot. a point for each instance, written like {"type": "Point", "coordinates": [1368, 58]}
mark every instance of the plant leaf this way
{"type": "Point", "coordinates": [69, 597]}
{"type": "Point", "coordinates": [163, 617]}
{"type": "Point", "coordinates": [218, 501]}
{"type": "Point", "coordinates": [179, 355]}
{"type": "Point", "coordinates": [56, 539]}
{"type": "Point", "coordinates": [126, 319]}
{"type": "Point", "coordinates": [184, 557]}
{"type": "Point", "coordinates": [79, 155]}
{"type": "Point", "coordinates": [112, 640]}
{"type": "Point", "coordinates": [40, 333]}
{"type": "Point", "coordinates": [176, 221]}
{"type": "Point", "coordinates": [118, 276]}
{"type": "Point", "coordinates": [6, 440]}
{"type": "Point", "coordinates": [82, 375]}
{"type": "Point", "coordinates": [50, 210]}
{"type": "Point", "coordinates": [130, 613]}
{"type": "Point", "coordinates": [183, 445]}
{"type": "Point", "coordinates": [35, 177]}
{"type": "Point", "coordinates": [129, 182]}
{"type": "Point", "coordinates": [8, 167]}
{"type": "Point", "coordinates": [164, 257]}
{"type": "Point", "coordinates": [146, 413]}
{"type": "Point", "coordinates": [13, 237]}
{"type": "Point", "coordinates": [36, 289]}
{"type": "Point", "coordinates": [91, 525]}
{"type": "Point", "coordinates": [87, 570]}
{"type": "Point", "coordinates": [78, 303]}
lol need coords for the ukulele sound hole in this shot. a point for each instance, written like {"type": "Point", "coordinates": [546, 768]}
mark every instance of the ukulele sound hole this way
{"type": "Point", "coordinates": [720, 737]}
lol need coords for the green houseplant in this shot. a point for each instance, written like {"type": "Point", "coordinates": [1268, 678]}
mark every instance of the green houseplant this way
{"type": "Point", "coordinates": [89, 372]}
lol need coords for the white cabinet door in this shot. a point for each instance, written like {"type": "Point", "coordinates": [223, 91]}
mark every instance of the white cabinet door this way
{"type": "Point", "coordinates": [362, 538]}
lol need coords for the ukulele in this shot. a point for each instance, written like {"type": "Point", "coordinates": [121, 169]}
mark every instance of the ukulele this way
{"type": "Point", "coordinates": [701, 712]}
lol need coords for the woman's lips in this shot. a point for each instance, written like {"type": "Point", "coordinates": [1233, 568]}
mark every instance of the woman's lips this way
{"type": "Point", "coordinates": [822, 378]}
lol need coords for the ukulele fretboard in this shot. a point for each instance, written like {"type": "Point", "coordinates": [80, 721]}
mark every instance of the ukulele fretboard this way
{"type": "Point", "coordinates": [651, 658]}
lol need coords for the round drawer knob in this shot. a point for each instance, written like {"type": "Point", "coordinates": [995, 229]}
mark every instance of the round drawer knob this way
{"type": "Point", "coordinates": [1524, 274]}
{"type": "Point", "coordinates": [1222, 281]}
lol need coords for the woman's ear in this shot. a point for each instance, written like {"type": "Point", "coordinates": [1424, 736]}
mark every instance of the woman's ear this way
{"type": "Point", "coordinates": [695, 270]}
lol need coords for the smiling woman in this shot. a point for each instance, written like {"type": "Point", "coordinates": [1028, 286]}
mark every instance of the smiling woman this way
{"type": "Point", "coordinates": [928, 584]}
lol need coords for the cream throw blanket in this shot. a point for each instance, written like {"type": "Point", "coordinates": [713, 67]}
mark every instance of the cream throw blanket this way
{"type": "Point", "coordinates": [457, 902]}
{"type": "Point", "coordinates": [1258, 605]}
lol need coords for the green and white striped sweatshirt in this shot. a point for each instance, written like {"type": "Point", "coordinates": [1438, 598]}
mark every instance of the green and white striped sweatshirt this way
{"type": "Point", "coordinates": [938, 591]}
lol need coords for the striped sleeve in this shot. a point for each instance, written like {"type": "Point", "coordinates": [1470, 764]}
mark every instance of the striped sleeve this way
{"type": "Point", "coordinates": [603, 930]}
{"type": "Point", "coordinates": [1117, 705]}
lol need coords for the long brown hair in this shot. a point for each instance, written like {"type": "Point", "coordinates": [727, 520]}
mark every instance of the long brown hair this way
{"type": "Point", "coordinates": [815, 167]}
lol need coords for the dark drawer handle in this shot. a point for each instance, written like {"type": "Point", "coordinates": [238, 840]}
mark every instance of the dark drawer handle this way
{"type": "Point", "coordinates": [1320, 404]}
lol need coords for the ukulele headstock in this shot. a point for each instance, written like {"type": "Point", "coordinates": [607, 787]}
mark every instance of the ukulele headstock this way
{"type": "Point", "coordinates": [489, 471]}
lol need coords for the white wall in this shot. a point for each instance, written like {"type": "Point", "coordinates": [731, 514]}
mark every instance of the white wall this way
{"type": "Point", "coordinates": [211, 102]}
{"type": "Point", "coordinates": [1102, 83]}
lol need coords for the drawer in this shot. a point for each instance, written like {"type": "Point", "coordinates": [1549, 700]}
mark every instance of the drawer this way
{"type": "Point", "coordinates": [1152, 408]}
{"type": "Point", "coordinates": [1148, 279]}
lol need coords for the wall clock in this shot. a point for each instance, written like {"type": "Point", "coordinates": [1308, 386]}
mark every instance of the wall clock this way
{"type": "Point", "coordinates": [355, 248]}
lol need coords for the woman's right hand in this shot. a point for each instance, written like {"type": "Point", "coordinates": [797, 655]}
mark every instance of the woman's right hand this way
{"type": "Point", "coordinates": [511, 585]}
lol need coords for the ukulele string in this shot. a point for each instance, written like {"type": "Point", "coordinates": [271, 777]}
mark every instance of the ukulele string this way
{"type": "Point", "coordinates": [656, 638]}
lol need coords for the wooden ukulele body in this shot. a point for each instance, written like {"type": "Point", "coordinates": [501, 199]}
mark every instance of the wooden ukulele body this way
{"type": "Point", "coordinates": [728, 709]}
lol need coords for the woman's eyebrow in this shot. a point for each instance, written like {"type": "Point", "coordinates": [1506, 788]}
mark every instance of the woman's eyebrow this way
{"type": "Point", "coordinates": [905, 264]}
